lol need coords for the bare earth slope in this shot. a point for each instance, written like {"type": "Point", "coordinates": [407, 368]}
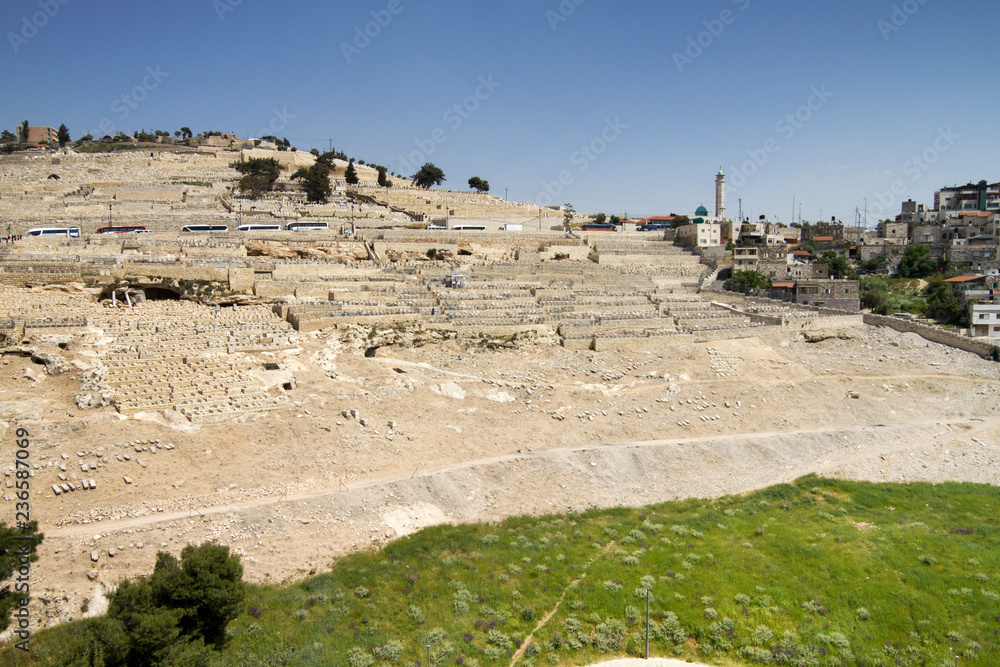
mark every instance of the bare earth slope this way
{"type": "Point", "coordinates": [453, 432]}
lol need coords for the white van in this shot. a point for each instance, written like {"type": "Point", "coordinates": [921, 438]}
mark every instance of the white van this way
{"type": "Point", "coordinates": [259, 228]}
{"type": "Point", "coordinates": [72, 232]}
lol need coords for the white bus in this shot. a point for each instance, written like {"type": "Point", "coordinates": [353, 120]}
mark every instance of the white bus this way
{"type": "Point", "coordinates": [307, 226]}
{"type": "Point", "coordinates": [205, 228]}
{"type": "Point", "coordinates": [259, 228]}
{"type": "Point", "coordinates": [72, 232]}
{"type": "Point", "coordinates": [468, 228]}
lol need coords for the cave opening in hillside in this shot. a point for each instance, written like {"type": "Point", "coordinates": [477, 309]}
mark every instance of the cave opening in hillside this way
{"type": "Point", "coordinates": [160, 294]}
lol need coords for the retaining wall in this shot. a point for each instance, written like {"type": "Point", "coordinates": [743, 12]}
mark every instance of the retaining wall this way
{"type": "Point", "coordinates": [939, 335]}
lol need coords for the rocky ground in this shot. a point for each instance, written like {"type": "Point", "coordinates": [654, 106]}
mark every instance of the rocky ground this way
{"type": "Point", "coordinates": [431, 430]}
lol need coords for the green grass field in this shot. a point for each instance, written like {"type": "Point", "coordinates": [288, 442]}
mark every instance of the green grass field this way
{"type": "Point", "coordinates": [823, 572]}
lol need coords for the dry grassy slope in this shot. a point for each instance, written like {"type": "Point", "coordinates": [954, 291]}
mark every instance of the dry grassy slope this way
{"type": "Point", "coordinates": [291, 489]}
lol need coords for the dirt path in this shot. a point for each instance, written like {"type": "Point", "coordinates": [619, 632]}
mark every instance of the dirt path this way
{"type": "Point", "coordinates": [552, 612]}
{"type": "Point", "coordinates": [166, 517]}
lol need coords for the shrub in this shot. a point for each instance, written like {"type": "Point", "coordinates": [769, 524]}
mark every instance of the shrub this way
{"type": "Point", "coordinates": [836, 639]}
{"type": "Point", "coordinates": [416, 613]}
{"type": "Point", "coordinates": [610, 635]}
{"type": "Point", "coordinates": [762, 635]}
{"type": "Point", "coordinates": [500, 640]}
{"type": "Point", "coordinates": [862, 614]}
{"type": "Point", "coordinates": [361, 592]}
{"type": "Point", "coordinates": [670, 630]}
{"type": "Point", "coordinates": [358, 657]}
{"type": "Point", "coordinates": [391, 651]}
{"type": "Point", "coordinates": [756, 654]}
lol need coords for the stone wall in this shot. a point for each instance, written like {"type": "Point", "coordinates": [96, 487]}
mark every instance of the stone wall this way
{"type": "Point", "coordinates": [939, 335]}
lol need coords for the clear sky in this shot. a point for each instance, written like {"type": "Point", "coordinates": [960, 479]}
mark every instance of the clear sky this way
{"type": "Point", "coordinates": [627, 106]}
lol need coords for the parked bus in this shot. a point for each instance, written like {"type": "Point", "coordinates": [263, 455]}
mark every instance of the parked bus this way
{"type": "Point", "coordinates": [72, 232]}
{"type": "Point", "coordinates": [136, 229]}
{"type": "Point", "coordinates": [307, 227]}
{"type": "Point", "coordinates": [205, 228]}
{"type": "Point", "coordinates": [259, 228]}
{"type": "Point", "coordinates": [468, 228]}
{"type": "Point", "coordinates": [599, 227]}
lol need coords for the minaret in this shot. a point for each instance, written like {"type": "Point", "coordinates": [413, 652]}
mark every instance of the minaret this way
{"type": "Point", "coordinates": [720, 195]}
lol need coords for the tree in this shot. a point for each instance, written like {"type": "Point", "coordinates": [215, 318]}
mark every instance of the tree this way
{"type": "Point", "coordinates": [615, 220]}
{"type": "Point", "coordinates": [351, 176]}
{"type": "Point", "coordinates": [600, 219]}
{"type": "Point", "coordinates": [383, 182]}
{"type": "Point", "coordinates": [680, 221]}
{"type": "Point", "coordinates": [568, 213]}
{"type": "Point", "coordinates": [479, 184]}
{"type": "Point", "coordinates": [206, 584]}
{"type": "Point", "coordinates": [14, 542]}
{"type": "Point", "coordinates": [316, 183]}
{"type": "Point", "coordinates": [944, 305]}
{"type": "Point", "coordinates": [24, 132]}
{"type": "Point", "coordinates": [428, 176]}
{"type": "Point", "coordinates": [839, 267]}
{"type": "Point", "coordinates": [875, 295]}
{"type": "Point", "coordinates": [7, 137]}
{"type": "Point", "coordinates": [173, 616]}
{"type": "Point", "coordinates": [917, 263]}
{"type": "Point", "coordinates": [186, 132]}
{"type": "Point", "coordinates": [748, 282]}
{"type": "Point", "coordinates": [872, 264]}
{"type": "Point", "coordinates": [259, 175]}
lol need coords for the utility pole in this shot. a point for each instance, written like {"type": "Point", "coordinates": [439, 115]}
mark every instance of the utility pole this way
{"type": "Point", "coordinates": [647, 624]}
{"type": "Point", "coordinates": [505, 191]}
{"type": "Point", "coordinates": [793, 208]}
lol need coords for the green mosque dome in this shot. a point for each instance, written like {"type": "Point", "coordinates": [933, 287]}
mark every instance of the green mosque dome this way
{"type": "Point", "coordinates": [701, 212]}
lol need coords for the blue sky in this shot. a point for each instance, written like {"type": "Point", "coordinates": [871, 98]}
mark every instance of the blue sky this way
{"type": "Point", "coordinates": [618, 107]}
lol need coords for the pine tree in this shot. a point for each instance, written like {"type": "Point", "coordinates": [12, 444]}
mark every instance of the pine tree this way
{"type": "Point", "coordinates": [351, 176]}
